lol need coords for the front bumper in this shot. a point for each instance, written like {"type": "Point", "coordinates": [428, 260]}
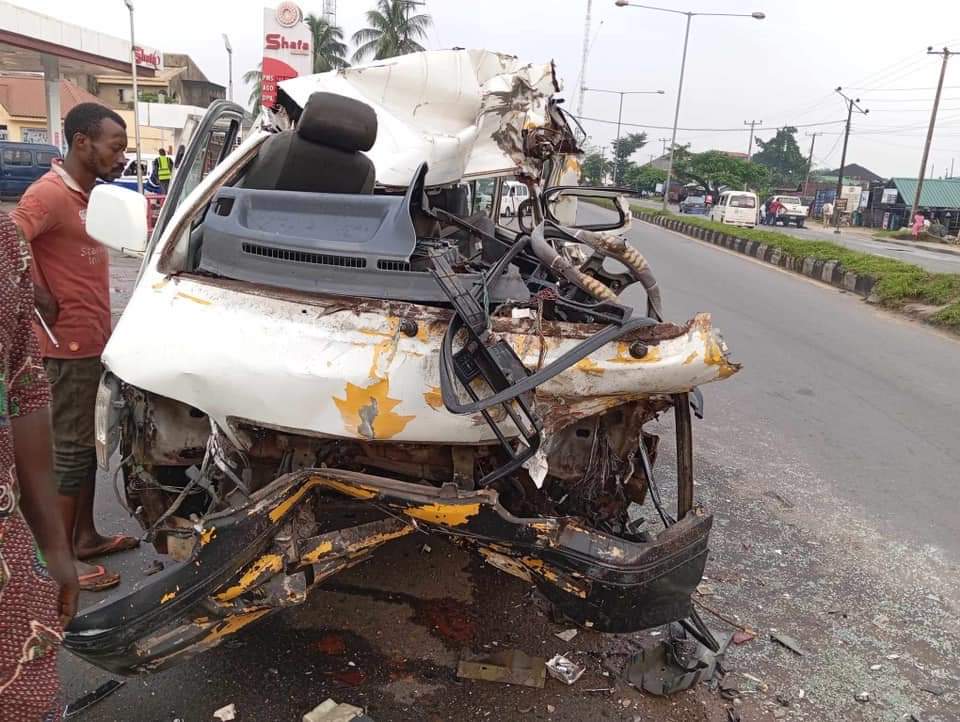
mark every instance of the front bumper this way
{"type": "Point", "coordinates": [242, 568]}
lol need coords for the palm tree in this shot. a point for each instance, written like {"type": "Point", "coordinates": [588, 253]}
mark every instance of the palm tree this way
{"type": "Point", "coordinates": [255, 77]}
{"type": "Point", "coordinates": [392, 31]}
{"type": "Point", "coordinates": [329, 52]}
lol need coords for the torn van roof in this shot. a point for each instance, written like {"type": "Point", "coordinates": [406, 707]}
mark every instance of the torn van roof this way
{"type": "Point", "coordinates": [461, 111]}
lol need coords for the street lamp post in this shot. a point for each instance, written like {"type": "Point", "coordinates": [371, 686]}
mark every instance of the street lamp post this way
{"type": "Point", "coordinates": [226, 44]}
{"type": "Point", "coordinates": [621, 93]}
{"type": "Point", "coordinates": [683, 65]}
{"type": "Point", "coordinates": [136, 96]}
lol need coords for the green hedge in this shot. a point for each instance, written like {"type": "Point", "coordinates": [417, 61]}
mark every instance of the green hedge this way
{"type": "Point", "coordinates": [897, 283]}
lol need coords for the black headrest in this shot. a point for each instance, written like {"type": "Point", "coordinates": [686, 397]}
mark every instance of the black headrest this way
{"type": "Point", "coordinates": [338, 121]}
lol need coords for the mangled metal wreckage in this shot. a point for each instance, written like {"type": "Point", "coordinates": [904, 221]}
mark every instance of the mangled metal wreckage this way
{"type": "Point", "coordinates": [334, 343]}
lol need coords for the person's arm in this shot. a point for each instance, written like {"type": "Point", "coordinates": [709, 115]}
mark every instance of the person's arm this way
{"type": "Point", "coordinates": [29, 409]}
{"type": "Point", "coordinates": [33, 219]}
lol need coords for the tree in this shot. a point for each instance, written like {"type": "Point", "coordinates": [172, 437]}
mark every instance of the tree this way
{"type": "Point", "coordinates": [594, 168]}
{"type": "Point", "coordinates": [392, 31]}
{"type": "Point", "coordinates": [623, 148]}
{"type": "Point", "coordinates": [782, 156]}
{"type": "Point", "coordinates": [714, 169]}
{"type": "Point", "coordinates": [256, 77]}
{"type": "Point", "coordinates": [329, 51]}
{"type": "Point", "coordinates": [644, 177]}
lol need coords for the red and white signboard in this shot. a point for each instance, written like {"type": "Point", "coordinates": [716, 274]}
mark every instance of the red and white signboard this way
{"type": "Point", "coordinates": [287, 51]}
{"type": "Point", "coordinates": [148, 57]}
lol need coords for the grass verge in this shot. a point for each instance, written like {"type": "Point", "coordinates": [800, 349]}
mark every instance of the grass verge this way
{"type": "Point", "coordinates": [897, 283]}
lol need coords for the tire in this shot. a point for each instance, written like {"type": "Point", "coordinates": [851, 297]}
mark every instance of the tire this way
{"type": "Point", "coordinates": [799, 223]}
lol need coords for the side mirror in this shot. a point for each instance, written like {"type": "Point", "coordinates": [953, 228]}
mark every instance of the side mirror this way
{"type": "Point", "coordinates": [117, 218]}
{"type": "Point", "coordinates": [561, 205]}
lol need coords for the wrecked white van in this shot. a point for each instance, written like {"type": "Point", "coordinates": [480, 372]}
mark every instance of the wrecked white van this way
{"type": "Point", "coordinates": [329, 348]}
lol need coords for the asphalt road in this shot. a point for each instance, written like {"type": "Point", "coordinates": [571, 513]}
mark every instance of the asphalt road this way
{"type": "Point", "coordinates": [830, 463]}
{"type": "Point", "coordinates": [945, 260]}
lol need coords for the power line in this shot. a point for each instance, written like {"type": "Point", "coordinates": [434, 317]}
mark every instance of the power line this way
{"type": "Point", "coordinates": [708, 130]}
{"type": "Point", "coordinates": [904, 90]}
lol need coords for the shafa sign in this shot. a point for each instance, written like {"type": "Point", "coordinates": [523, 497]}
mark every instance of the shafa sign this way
{"type": "Point", "coordinates": [287, 50]}
{"type": "Point", "coordinates": [147, 57]}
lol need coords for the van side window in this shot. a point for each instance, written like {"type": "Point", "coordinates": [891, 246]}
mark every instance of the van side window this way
{"type": "Point", "coordinates": [17, 157]}
{"type": "Point", "coordinates": [45, 158]}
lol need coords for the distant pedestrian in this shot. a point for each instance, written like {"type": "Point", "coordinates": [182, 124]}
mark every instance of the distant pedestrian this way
{"type": "Point", "coordinates": [72, 286]}
{"type": "Point", "coordinates": [827, 213]}
{"type": "Point", "coordinates": [763, 213]}
{"type": "Point", "coordinates": [918, 226]}
{"type": "Point", "coordinates": [164, 168]}
{"type": "Point", "coordinates": [773, 210]}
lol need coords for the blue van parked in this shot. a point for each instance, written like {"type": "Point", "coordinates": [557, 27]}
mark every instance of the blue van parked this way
{"type": "Point", "coordinates": [21, 164]}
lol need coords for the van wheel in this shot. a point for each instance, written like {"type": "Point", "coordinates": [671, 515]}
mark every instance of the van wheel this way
{"type": "Point", "coordinates": [799, 223]}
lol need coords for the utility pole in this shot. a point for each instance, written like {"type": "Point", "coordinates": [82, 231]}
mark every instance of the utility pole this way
{"type": "Point", "coordinates": [136, 97]}
{"type": "Point", "coordinates": [583, 58]}
{"type": "Point", "coordinates": [664, 141]}
{"type": "Point", "coordinates": [751, 123]}
{"type": "Point", "coordinates": [616, 145]}
{"type": "Point", "coordinates": [851, 104]}
{"type": "Point", "coordinates": [951, 166]}
{"type": "Point", "coordinates": [813, 139]}
{"type": "Point", "coordinates": [946, 53]}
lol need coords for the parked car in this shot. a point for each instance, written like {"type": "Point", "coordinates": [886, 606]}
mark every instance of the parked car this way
{"type": "Point", "coordinates": [307, 370]}
{"type": "Point", "coordinates": [737, 208]}
{"type": "Point", "coordinates": [21, 164]}
{"type": "Point", "coordinates": [695, 205]}
{"type": "Point", "coordinates": [129, 177]}
{"type": "Point", "coordinates": [512, 195]}
{"type": "Point", "coordinates": [792, 211]}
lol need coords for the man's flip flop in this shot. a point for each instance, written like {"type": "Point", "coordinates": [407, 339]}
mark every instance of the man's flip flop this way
{"type": "Point", "coordinates": [98, 580]}
{"type": "Point", "coordinates": [114, 544]}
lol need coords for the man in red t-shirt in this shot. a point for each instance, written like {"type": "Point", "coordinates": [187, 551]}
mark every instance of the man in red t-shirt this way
{"type": "Point", "coordinates": [72, 280]}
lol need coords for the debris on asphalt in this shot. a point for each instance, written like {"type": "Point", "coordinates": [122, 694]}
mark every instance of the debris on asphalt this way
{"type": "Point", "coordinates": [551, 709]}
{"type": "Point", "coordinates": [760, 684]}
{"type": "Point", "coordinates": [935, 691]}
{"type": "Point", "coordinates": [674, 664]}
{"type": "Point", "coordinates": [742, 637]}
{"type": "Point", "coordinates": [226, 713]}
{"type": "Point", "coordinates": [893, 656]}
{"type": "Point", "coordinates": [863, 697]}
{"type": "Point", "coordinates": [92, 698]}
{"type": "Point", "coordinates": [876, 667]}
{"type": "Point", "coordinates": [788, 642]}
{"type": "Point", "coordinates": [426, 549]}
{"type": "Point", "coordinates": [705, 590]}
{"type": "Point", "coordinates": [564, 669]}
{"type": "Point", "coordinates": [566, 635]}
{"type": "Point", "coordinates": [782, 700]}
{"type": "Point", "coordinates": [332, 711]}
{"type": "Point", "coordinates": [509, 666]}
{"type": "Point", "coordinates": [152, 568]}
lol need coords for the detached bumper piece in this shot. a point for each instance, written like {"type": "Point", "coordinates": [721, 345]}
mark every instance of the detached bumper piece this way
{"type": "Point", "coordinates": [243, 568]}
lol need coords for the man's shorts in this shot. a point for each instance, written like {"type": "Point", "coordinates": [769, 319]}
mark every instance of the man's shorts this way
{"type": "Point", "coordinates": [74, 383]}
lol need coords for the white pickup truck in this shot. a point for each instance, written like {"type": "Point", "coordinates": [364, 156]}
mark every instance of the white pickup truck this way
{"type": "Point", "coordinates": [793, 211]}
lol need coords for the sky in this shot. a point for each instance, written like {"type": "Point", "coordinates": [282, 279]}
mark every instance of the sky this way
{"type": "Point", "coordinates": [781, 70]}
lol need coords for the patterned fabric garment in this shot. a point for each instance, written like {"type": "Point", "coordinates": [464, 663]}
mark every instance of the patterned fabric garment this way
{"type": "Point", "coordinates": [29, 628]}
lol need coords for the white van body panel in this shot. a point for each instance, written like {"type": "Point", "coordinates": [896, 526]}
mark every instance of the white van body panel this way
{"type": "Point", "coordinates": [736, 208]}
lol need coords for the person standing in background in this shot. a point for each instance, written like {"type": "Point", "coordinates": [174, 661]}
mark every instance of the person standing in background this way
{"type": "Point", "coordinates": [827, 213]}
{"type": "Point", "coordinates": [164, 165]}
{"type": "Point", "coordinates": [72, 287]}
